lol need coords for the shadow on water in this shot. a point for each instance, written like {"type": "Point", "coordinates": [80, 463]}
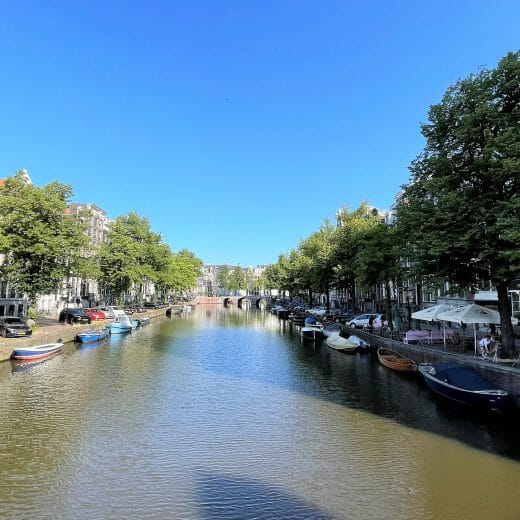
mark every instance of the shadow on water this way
{"type": "Point", "coordinates": [229, 497]}
{"type": "Point", "coordinates": [354, 381]}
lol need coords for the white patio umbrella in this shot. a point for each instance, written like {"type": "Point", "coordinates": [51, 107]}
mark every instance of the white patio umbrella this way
{"type": "Point", "coordinates": [471, 314]}
{"type": "Point", "coordinates": [431, 314]}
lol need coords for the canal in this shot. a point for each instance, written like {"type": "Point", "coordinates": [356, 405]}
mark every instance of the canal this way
{"type": "Point", "coordinates": [227, 414]}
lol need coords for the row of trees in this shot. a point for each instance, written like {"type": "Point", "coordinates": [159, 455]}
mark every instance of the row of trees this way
{"type": "Point", "coordinates": [236, 278]}
{"type": "Point", "coordinates": [458, 219]}
{"type": "Point", "coordinates": [43, 244]}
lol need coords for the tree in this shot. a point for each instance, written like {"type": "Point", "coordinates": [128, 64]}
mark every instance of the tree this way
{"type": "Point", "coordinates": [352, 225]}
{"type": "Point", "coordinates": [42, 244]}
{"type": "Point", "coordinates": [461, 210]}
{"type": "Point", "coordinates": [236, 279]}
{"type": "Point", "coordinates": [319, 249]}
{"type": "Point", "coordinates": [223, 277]}
{"type": "Point", "coordinates": [379, 260]}
{"type": "Point", "coordinates": [132, 255]}
{"type": "Point", "coordinates": [182, 272]}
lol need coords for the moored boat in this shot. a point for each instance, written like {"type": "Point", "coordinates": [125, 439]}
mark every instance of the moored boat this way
{"type": "Point", "coordinates": [37, 352]}
{"type": "Point", "coordinates": [297, 319]}
{"type": "Point", "coordinates": [144, 320]}
{"type": "Point", "coordinates": [312, 332]}
{"type": "Point", "coordinates": [91, 335]}
{"type": "Point", "coordinates": [332, 328]}
{"type": "Point", "coordinates": [283, 314]}
{"type": "Point", "coordinates": [464, 385]}
{"type": "Point", "coordinates": [121, 324]}
{"type": "Point", "coordinates": [362, 346]}
{"type": "Point", "coordinates": [395, 361]}
{"type": "Point", "coordinates": [341, 344]}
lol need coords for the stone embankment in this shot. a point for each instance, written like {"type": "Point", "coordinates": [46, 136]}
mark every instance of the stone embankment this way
{"type": "Point", "coordinates": [51, 331]}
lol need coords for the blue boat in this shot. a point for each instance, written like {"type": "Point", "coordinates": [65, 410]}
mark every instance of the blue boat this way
{"type": "Point", "coordinates": [38, 352]}
{"type": "Point", "coordinates": [88, 336]}
{"type": "Point", "coordinates": [121, 324]}
{"type": "Point", "coordinates": [464, 385]}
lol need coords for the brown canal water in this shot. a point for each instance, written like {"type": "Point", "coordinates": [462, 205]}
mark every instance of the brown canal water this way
{"type": "Point", "coordinates": [227, 414]}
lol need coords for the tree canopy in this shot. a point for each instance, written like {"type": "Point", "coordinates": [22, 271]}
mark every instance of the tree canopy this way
{"type": "Point", "coordinates": [42, 243]}
{"type": "Point", "coordinates": [461, 209]}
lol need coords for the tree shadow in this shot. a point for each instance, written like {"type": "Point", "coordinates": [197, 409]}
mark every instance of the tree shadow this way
{"type": "Point", "coordinates": [230, 497]}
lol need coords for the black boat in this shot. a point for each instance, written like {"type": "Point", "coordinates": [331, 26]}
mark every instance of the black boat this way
{"type": "Point", "coordinates": [464, 385]}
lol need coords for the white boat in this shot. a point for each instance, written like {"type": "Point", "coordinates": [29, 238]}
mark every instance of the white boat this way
{"type": "Point", "coordinates": [312, 332]}
{"type": "Point", "coordinates": [337, 342]}
{"type": "Point", "coordinates": [122, 324]}
{"type": "Point", "coordinates": [333, 328]}
{"type": "Point", "coordinates": [37, 352]}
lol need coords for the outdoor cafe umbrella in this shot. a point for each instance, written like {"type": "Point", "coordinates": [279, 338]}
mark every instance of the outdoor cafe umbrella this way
{"type": "Point", "coordinates": [431, 314]}
{"type": "Point", "coordinates": [471, 314]}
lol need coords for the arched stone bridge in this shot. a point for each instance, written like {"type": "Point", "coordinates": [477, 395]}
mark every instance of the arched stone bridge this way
{"type": "Point", "coordinates": [242, 302]}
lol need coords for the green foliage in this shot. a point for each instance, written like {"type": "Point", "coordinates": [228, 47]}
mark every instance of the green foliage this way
{"type": "Point", "coordinates": [462, 208]}
{"type": "Point", "coordinates": [379, 257]}
{"type": "Point", "coordinates": [181, 273]}
{"type": "Point", "coordinates": [43, 244]}
{"type": "Point", "coordinates": [232, 278]}
{"type": "Point", "coordinates": [461, 211]}
{"type": "Point", "coordinates": [132, 254]}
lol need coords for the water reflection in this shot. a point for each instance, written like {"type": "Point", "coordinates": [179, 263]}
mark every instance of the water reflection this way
{"type": "Point", "coordinates": [355, 381]}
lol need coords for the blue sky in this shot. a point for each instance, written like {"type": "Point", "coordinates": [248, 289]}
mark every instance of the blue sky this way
{"type": "Point", "coordinates": [235, 127]}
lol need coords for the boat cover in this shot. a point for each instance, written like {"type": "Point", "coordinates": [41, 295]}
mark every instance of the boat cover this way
{"type": "Point", "coordinates": [462, 377]}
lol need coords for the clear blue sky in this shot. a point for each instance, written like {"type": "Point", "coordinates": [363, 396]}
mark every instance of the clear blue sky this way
{"type": "Point", "coordinates": [235, 127]}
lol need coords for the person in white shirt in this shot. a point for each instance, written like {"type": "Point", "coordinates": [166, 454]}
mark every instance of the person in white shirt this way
{"type": "Point", "coordinates": [486, 346]}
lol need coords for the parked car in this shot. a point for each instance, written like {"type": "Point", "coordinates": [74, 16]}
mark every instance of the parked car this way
{"type": "Point", "coordinates": [14, 326]}
{"type": "Point", "coordinates": [317, 311]}
{"type": "Point", "coordinates": [96, 314]}
{"type": "Point", "coordinates": [361, 320]}
{"type": "Point", "coordinates": [111, 311]}
{"type": "Point", "coordinates": [74, 315]}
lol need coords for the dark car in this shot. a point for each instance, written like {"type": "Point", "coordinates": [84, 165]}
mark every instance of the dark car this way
{"type": "Point", "coordinates": [74, 316]}
{"type": "Point", "coordinates": [13, 326]}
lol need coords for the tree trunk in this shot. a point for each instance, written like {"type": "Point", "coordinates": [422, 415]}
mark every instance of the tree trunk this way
{"type": "Point", "coordinates": [388, 306]}
{"type": "Point", "coordinates": [309, 292]}
{"type": "Point", "coordinates": [327, 299]}
{"type": "Point", "coordinates": [508, 338]}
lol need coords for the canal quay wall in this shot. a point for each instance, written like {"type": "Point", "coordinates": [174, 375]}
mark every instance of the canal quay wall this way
{"type": "Point", "coordinates": [505, 377]}
{"type": "Point", "coordinates": [54, 332]}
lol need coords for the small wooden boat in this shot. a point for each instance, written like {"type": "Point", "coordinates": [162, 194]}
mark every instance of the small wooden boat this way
{"type": "Point", "coordinates": [88, 336]}
{"type": "Point", "coordinates": [464, 385]}
{"type": "Point", "coordinates": [395, 361]}
{"type": "Point", "coordinates": [144, 320]}
{"type": "Point", "coordinates": [38, 352]}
